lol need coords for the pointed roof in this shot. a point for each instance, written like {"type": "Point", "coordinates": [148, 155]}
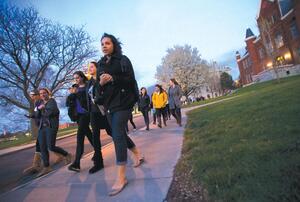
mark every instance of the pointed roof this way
{"type": "Point", "coordinates": [249, 33]}
{"type": "Point", "coordinates": [263, 5]}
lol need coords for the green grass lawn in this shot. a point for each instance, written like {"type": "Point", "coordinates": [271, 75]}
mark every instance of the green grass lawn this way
{"type": "Point", "coordinates": [248, 148]}
{"type": "Point", "coordinates": [22, 139]}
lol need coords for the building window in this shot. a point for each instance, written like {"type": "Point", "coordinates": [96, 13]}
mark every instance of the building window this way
{"type": "Point", "coordinates": [285, 6]}
{"type": "Point", "coordinates": [294, 30]}
{"type": "Point", "coordinates": [279, 40]}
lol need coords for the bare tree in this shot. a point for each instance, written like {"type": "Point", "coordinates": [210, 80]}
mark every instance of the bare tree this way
{"type": "Point", "coordinates": [183, 63]}
{"type": "Point", "coordinates": [35, 52]}
{"type": "Point", "coordinates": [265, 27]}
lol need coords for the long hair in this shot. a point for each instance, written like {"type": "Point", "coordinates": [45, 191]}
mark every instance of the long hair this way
{"type": "Point", "coordinates": [116, 43]}
{"type": "Point", "coordinates": [47, 90]}
{"type": "Point", "coordinates": [145, 90]}
{"type": "Point", "coordinates": [160, 88]}
{"type": "Point", "coordinates": [174, 81]}
{"type": "Point", "coordinates": [81, 75]}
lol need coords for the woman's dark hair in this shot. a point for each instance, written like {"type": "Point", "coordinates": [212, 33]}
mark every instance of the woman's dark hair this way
{"type": "Point", "coordinates": [144, 89]}
{"type": "Point", "coordinates": [116, 42]}
{"type": "Point", "coordinates": [174, 81]}
{"type": "Point", "coordinates": [81, 75]}
{"type": "Point", "coordinates": [160, 88]}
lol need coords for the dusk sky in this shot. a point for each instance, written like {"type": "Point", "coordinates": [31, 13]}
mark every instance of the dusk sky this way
{"type": "Point", "coordinates": [148, 28]}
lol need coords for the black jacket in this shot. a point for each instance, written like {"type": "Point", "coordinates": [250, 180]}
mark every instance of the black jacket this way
{"type": "Point", "coordinates": [49, 113]}
{"type": "Point", "coordinates": [144, 103]}
{"type": "Point", "coordinates": [119, 94]}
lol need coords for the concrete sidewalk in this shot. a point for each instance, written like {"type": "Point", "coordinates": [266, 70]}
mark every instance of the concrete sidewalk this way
{"type": "Point", "coordinates": [149, 182]}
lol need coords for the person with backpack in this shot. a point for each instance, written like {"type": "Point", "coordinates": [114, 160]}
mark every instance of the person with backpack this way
{"type": "Point", "coordinates": [71, 103]}
{"type": "Point", "coordinates": [118, 94]}
{"type": "Point", "coordinates": [144, 105]}
{"type": "Point", "coordinates": [175, 94]}
{"type": "Point", "coordinates": [83, 118]}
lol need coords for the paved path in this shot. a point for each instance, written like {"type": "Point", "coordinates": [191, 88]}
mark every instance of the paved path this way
{"type": "Point", "coordinates": [149, 182]}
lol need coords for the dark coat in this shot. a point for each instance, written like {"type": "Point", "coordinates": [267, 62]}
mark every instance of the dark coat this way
{"type": "Point", "coordinates": [119, 94]}
{"type": "Point", "coordinates": [144, 103]}
{"type": "Point", "coordinates": [50, 113]}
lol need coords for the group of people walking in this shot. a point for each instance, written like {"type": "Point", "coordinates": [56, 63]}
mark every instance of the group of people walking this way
{"type": "Point", "coordinates": [105, 101]}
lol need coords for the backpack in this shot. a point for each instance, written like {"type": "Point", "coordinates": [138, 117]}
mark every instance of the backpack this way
{"type": "Point", "coordinates": [124, 67]}
{"type": "Point", "coordinates": [72, 112]}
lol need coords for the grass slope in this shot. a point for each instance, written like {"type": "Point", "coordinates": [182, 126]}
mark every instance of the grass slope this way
{"type": "Point", "coordinates": [248, 148]}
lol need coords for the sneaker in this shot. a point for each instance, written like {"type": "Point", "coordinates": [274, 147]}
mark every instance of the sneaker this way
{"type": "Point", "coordinates": [74, 167]}
{"type": "Point", "coordinates": [96, 168]}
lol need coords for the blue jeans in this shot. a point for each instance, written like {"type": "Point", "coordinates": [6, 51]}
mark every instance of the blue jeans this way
{"type": "Point", "coordinates": [47, 140]}
{"type": "Point", "coordinates": [118, 121]}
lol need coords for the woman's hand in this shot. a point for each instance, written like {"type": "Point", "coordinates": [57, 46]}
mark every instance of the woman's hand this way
{"type": "Point", "coordinates": [42, 106]}
{"type": "Point", "coordinates": [105, 78]}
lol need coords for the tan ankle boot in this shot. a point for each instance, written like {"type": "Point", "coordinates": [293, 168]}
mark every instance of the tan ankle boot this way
{"type": "Point", "coordinates": [36, 164]}
{"type": "Point", "coordinates": [59, 157]}
{"type": "Point", "coordinates": [44, 171]}
{"type": "Point", "coordinates": [68, 159]}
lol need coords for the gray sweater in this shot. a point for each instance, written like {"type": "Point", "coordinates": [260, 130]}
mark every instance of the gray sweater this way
{"type": "Point", "coordinates": [174, 97]}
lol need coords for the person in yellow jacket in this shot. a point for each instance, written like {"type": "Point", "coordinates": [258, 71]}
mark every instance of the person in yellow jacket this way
{"type": "Point", "coordinates": [160, 99]}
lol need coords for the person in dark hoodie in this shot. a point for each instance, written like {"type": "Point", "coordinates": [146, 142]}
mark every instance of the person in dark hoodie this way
{"type": "Point", "coordinates": [83, 118]}
{"type": "Point", "coordinates": [117, 95]}
{"type": "Point", "coordinates": [48, 115]}
{"type": "Point", "coordinates": [144, 105]}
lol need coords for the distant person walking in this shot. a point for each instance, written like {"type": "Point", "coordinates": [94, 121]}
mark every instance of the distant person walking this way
{"type": "Point", "coordinates": [159, 100]}
{"type": "Point", "coordinates": [83, 118]}
{"type": "Point", "coordinates": [153, 111]}
{"type": "Point", "coordinates": [175, 94]}
{"type": "Point", "coordinates": [144, 105]}
{"type": "Point", "coordinates": [117, 95]}
{"type": "Point", "coordinates": [48, 115]}
{"type": "Point", "coordinates": [131, 121]}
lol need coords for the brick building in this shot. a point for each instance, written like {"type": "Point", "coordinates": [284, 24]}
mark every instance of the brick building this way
{"type": "Point", "coordinates": [278, 44]}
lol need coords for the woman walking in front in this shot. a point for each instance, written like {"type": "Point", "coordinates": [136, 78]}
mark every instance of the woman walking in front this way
{"type": "Point", "coordinates": [117, 85]}
{"type": "Point", "coordinates": [175, 94]}
{"type": "Point", "coordinates": [99, 121]}
{"type": "Point", "coordinates": [144, 105]}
